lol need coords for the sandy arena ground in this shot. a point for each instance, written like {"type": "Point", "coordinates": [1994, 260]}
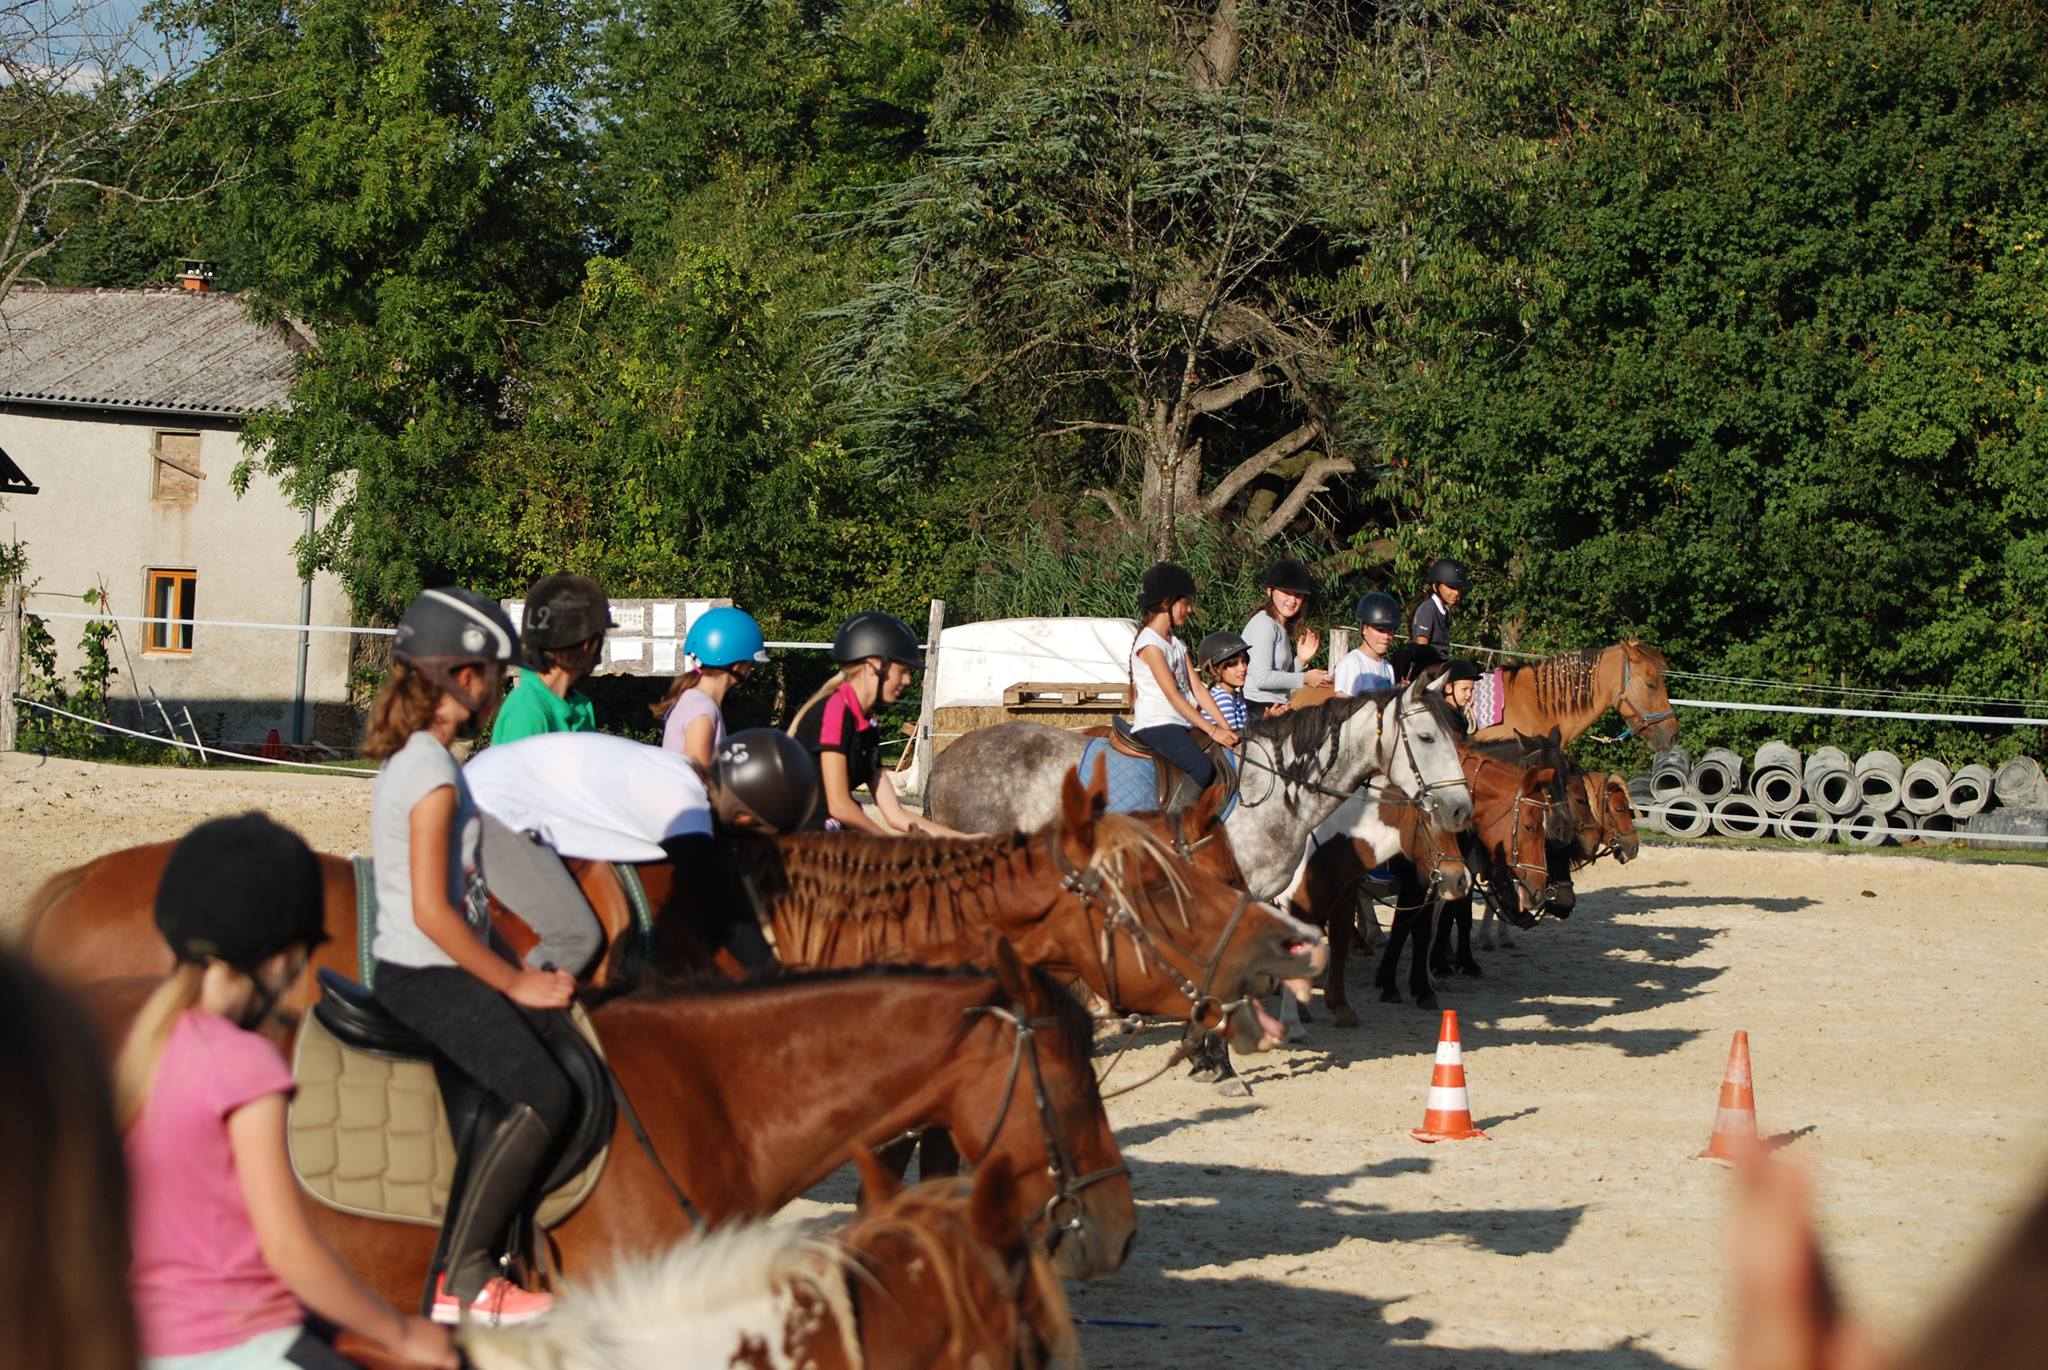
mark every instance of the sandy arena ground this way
{"type": "Point", "coordinates": [1897, 1011]}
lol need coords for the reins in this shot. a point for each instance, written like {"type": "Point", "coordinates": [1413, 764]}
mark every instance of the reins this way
{"type": "Point", "coordinates": [1059, 1160]}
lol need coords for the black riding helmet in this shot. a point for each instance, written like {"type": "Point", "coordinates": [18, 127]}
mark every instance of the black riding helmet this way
{"type": "Point", "coordinates": [1444, 571]}
{"type": "Point", "coordinates": [1164, 584]}
{"type": "Point", "coordinates": [769, 776]}
{"type": "Point", "coordinates": [1220, 647]}
{"type": "Point", "coordinates": [1290, 574]}
{"type": "Point", "coordinates": [875, 634]}
{"type": "Point", "coordinates": [240, 890]}
{"type": "Point", "coordinates": [1378, 609]}
{"type": "Point", "coordinates": [447, 629]}
{"type": "Point", "coordinates": [562, 611]}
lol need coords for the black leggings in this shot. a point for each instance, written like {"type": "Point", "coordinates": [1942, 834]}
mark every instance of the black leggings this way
{"type": "Point", "coordinates": [1177, 744]}
{"type": "Point", "coordinates": [487, 1036]}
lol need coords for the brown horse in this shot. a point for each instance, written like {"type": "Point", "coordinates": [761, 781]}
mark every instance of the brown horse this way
{"type": "Point", "coordinates": [1098, 896]}
{"type": "Point", "coordinates": [1569, 691]}
{"type": "Point", "coordinates": [1328, 894]}
{"type": "Point", "coordinates": [753, 1093]}
{"type": "Point", "coordinates": [932, 1278]}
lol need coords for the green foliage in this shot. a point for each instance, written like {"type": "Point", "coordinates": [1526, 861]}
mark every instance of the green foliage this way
{"type": "Point", "coordinates": [85, 692]}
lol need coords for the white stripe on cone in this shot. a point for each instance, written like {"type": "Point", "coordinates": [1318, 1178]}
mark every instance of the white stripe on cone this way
{"type": "Point", "coordinates": [1448, 1099]}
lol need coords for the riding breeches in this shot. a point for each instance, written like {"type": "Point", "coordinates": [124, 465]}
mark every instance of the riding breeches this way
{"type": "Point", "coordinates": [485, 1035]}
{"type": "Point", "coordinates": [527, 877]}
{"type": "Point", "coordinates": [1178, 745]}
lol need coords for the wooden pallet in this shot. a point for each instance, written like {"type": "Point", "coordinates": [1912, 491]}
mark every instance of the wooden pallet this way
{"type": "Point", "coordinates": [1034, 695]}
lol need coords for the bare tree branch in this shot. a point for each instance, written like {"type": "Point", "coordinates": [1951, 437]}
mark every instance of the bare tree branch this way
{"type": "Point", "coordinates": [1258, 463]}
{"type": "Point", "coordinates": [1216, 397]}
{"type": "Point", "coordinates": [1115, 507]}
{"type": "Point", "coordinates": [1310, 484]}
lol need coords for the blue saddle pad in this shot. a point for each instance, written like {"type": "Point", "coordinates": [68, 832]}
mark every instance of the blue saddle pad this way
{"type": "Point", "coordinates": [1133, 781]}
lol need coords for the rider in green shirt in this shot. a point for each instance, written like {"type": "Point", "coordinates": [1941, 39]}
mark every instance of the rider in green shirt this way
{"type": "Point", "coordinates": [563, 632]}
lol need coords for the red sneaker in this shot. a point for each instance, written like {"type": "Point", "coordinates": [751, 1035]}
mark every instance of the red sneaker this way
{"type": "Point", "coordinates": [500, 1303]}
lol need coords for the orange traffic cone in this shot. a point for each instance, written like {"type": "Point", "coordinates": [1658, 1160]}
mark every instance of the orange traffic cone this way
{"type": "Point", "coordinates": [1735, 1120]}
{"type": "Point", "coordinates": [273, 747]}
{"type": "Point", "coordinates": [1449, 1116]}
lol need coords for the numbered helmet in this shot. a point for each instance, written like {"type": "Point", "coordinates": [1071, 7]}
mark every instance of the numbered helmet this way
{"type": "Point", "coordinates": [768, 776]}
{"type": "Point", "coordinates": [1290, 574]}
{"type": "Point", "coordinates": [563, 611]}
{"type": "Point", "coordinates": [1164, 584]}
{"type": "Point", "coordinates": [1220, 647]}
{"type": "Point", "coordinates": [446, 629]}
{"type": "Point", "coordinates": [1444, 571]}
{"type": "Point", "coordinates": [1378, 609]}
{"type": "Point", "coordinates": [240, 890]}
{"type": "Point", "coordinates": [724, 637]}
{"type": "Point", "coordinates": [875, 634]}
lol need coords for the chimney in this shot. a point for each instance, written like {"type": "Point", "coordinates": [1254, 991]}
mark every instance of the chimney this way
{"type": "Point", "coordinates": [196, 273]}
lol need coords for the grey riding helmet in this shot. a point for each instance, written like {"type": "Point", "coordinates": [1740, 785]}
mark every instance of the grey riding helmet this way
{"type": "Point", "coordinates": [1378, 609]}
{"type": "Point", "coordinates": [876, 634]}
{"type": "Point", "coordinates": [563, 611]}
{"type": "Point", "coordinates": [446, 629]}
{"type": "Point", "coordinates": [769, 776]}
{"type": "Point", "coordinates": [1220, 647]}
{"type": "Point", "coordinates": [1444, 571]}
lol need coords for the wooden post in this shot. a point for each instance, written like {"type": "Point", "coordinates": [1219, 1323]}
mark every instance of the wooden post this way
{"type": "Point", "coordinates": [1340, 646]}
{"type": "Point", "coordinates": [928, 704]}
{"type": "Point", "coordinates": [10, 660]}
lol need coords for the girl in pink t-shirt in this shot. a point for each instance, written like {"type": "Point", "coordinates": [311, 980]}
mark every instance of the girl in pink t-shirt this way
{"type": "Point", "coordinates": [226, 1263]}
{"type": "Point", "coordinates": [722, 645]}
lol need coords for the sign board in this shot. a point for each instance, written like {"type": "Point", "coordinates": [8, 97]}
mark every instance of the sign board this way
{"type": "Point", "coordinates": [646, 636]}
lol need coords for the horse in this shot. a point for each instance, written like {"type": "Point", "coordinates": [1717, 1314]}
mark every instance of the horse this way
{"type": "Point", "coordinates": [932, 1278]}
{"type": "Point", "coordinates": [1327, 895]}
{"type": "Point", "coordinates": [1100, 897]}
{"type": "Point", "coordinates": [749, 1094]}
{"type": "Point", "coordinates": [1294, 770]}
{"type": "Point", "coordinates": [1604, 824]}
{"type": "Point", "coordinates": [1511, 823]}
{"type": "Point", "coordinates": [1569, 691]}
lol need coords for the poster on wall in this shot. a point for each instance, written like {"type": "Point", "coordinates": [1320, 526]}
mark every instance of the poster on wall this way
{"type": "Point", "coordinates": [646, 634]}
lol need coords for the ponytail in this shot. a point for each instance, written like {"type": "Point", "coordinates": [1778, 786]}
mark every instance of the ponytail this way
{"type": "Point", "coordinates": [135, 1071]}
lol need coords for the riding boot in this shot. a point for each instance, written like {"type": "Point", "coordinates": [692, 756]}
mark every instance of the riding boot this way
{"type": "Point", "coordinates": [503, 1172]}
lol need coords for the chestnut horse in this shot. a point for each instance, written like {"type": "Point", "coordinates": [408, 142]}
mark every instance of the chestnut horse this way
{"type": "Point", "coordinates": [1569, 691]}
{"type": "Point", "coordinates": [1506, 845]}
{"type": "Point", "coordinates": [753, 1093]}
{"type": "Point", "coordinates": [932, 1278]}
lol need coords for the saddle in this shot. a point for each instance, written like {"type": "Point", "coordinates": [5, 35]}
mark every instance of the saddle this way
{"type": "Point", "coordinates": [1157, 785]}
{"type": "Point", "coordinates": [382, 1127]}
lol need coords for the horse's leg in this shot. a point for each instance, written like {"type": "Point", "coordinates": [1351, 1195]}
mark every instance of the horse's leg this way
{"type": "Point", "coordinates": [1334, 996]}
{"type": "Point", "coordinates": [1465, 963]}
{"type": "Point", "coordinates": [1440, 941]}
{"type": "Point", "coordinates": [1389, 972]}
{"type": "Point", "coordinates": [1203, 1055]}
{"type": "Point", "coordinates": [1432, 918]}
{"type": "Point", "coordinates": [1486, 922]}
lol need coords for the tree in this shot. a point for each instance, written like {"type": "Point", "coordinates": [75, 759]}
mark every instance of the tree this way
{"type": "Point", "coordinates": [1125, 256]}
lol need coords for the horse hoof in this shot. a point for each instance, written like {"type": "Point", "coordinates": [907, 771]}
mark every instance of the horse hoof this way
{"type": "Point", "coordinates": [1471, 968]}
{"type": "Point", "coordinates": [1344, 1017]}
{"type": "Point", "coordinates": [1203, 1074]}
{"type": "Point", "coordinates": [1390, 996]}
{"type": "Point", "coordinates": [1233, 1087]}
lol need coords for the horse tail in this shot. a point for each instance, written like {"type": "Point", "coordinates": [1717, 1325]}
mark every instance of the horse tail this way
{"type": "Point", "coordinates": [48, 895]}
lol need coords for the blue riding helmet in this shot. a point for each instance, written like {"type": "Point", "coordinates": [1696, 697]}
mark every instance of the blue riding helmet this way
{"type": "Point", "coordinates": [724, 637]}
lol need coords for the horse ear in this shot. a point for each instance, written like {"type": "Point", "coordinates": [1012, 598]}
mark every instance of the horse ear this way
{"type": "Point", "coordinates": [1080, 803]}
{"type": "Point", "coordinates": [877, 1185]}
{"type": "Point", "coordinates": [1207, 806]}
{"type": "Point", "coordinates": [1010, 971]}
{"type": "Point", "coordinates": [991, 1213]}
{"type": "Point", "coordinates": [1556, 738]}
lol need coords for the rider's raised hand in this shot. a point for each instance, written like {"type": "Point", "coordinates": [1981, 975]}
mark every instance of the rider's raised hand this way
{"type": "Point", "coordinates": [1305, 648]}
{"type": "Point", "coordinates": [542, 989]}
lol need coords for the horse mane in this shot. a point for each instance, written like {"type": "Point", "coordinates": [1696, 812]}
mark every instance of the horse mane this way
{"type": "Point", "coordinates": [1303, 742]}
{"type": "Point", "coordinates": [1565, 681]}
{"type": "Point", "coordinates": [636, 1315]}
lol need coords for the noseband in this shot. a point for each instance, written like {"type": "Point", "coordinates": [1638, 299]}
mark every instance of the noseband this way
{"type": "Point", "coordinates": [1514, 816]}
{"type": "Point", "coordinates": [1062, 1212]}
{"type": "Point", "coordinates": [1627, 707]}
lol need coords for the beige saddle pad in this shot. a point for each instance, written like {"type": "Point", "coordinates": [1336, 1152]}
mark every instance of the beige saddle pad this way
{"type": "Point", "coordinates": [367, 1134]}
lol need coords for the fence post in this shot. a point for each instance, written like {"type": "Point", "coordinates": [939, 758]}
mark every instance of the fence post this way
{"type": "Point", "coordinates": [10, 660]}
{"type": "Point", "coordinates": [927, 704]}
{"type": "Point", "coordinates": [1340, 647]}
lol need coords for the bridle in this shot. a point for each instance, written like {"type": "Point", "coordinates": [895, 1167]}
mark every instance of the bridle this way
{"type": "Point", "coordinates": [1627, 707]}
{"type": "Point", "coordinates": [1610, 830]}
{"type": "Point", "coordinates": [1059, 1157]}
{"type": "Point", "coordinates": [1095, 890]}
{"type": "Point", "coordinates": [1513, 815]}
{"type": "Point", "coordinates": [1424, 786]}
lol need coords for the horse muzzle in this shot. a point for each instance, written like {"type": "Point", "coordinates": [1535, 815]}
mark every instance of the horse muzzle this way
{"type": "Point", "coordinates": [1455, 882]}
{"type": "Point", "coordinates": [1450, 808]}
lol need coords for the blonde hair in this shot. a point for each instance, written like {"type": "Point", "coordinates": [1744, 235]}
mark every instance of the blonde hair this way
{"type": "Point", "coordinates": [404, 705]}
{"type": "Point", "coordinates": [135, 1070]}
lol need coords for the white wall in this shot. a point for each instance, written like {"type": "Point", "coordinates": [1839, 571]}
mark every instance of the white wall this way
{"type": "Point", "coordinates": [95, 521]}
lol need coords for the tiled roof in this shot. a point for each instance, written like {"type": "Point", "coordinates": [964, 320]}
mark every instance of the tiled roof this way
{"type": "Point", "coordinates": [151, 351]}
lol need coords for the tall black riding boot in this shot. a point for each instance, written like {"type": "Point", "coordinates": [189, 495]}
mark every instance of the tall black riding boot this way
{"type": "Point", "coordinates": [498, 1180]}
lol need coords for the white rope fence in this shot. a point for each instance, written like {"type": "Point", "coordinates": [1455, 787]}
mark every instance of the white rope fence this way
{"type": "Point", "coordinates": [205, 753]}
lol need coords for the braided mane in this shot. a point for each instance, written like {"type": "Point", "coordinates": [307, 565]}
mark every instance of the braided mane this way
{"type": "Point", "coordinates": [1565, 681]}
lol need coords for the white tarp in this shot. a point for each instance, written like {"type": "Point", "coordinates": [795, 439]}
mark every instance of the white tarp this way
{"type": "Point", "coordinates": [978, 661]}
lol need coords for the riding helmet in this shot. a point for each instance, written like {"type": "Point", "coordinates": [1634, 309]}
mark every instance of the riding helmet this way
{"type": "Point", "coordinates": [875, 633]}
{"type": "Point", "coordinates": [449, 628]}
{"type": "Point", "coordinates": [1220, 647]}
{"type": "Point", "coordinates": [1290, 574]}
{"type": "Point", "coordinates": [562, 611]}
{"type": "Point", "coordinates": [1164, 584]}
{"type": "Point", "coordinates": [240, 890]}
{"type": "Point", "coordinates": [1461, 668]}
{"type": "Point", "coordinates": [725, 636]}
{"type": "Point", "coordinates": [768, 775]}
{"type": "Point", "coordinates": [1444, 571]}
{"type": "Point", "coordinates": [1378, 609]}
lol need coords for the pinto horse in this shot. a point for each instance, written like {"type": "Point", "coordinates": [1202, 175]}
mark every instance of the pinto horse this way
{"type": "Point", "coordinates": [1099, 897]}
{"type": "Point", "coordinates": [1569, 691]}
{"type": "Point", "coordinates": [750, 1094]}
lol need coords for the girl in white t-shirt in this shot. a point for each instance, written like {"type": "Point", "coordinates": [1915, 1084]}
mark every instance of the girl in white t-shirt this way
{"type": "Point", "coordinates": [1166, 710]}
{"type": "Point", "coordinates": [1366, 667]}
